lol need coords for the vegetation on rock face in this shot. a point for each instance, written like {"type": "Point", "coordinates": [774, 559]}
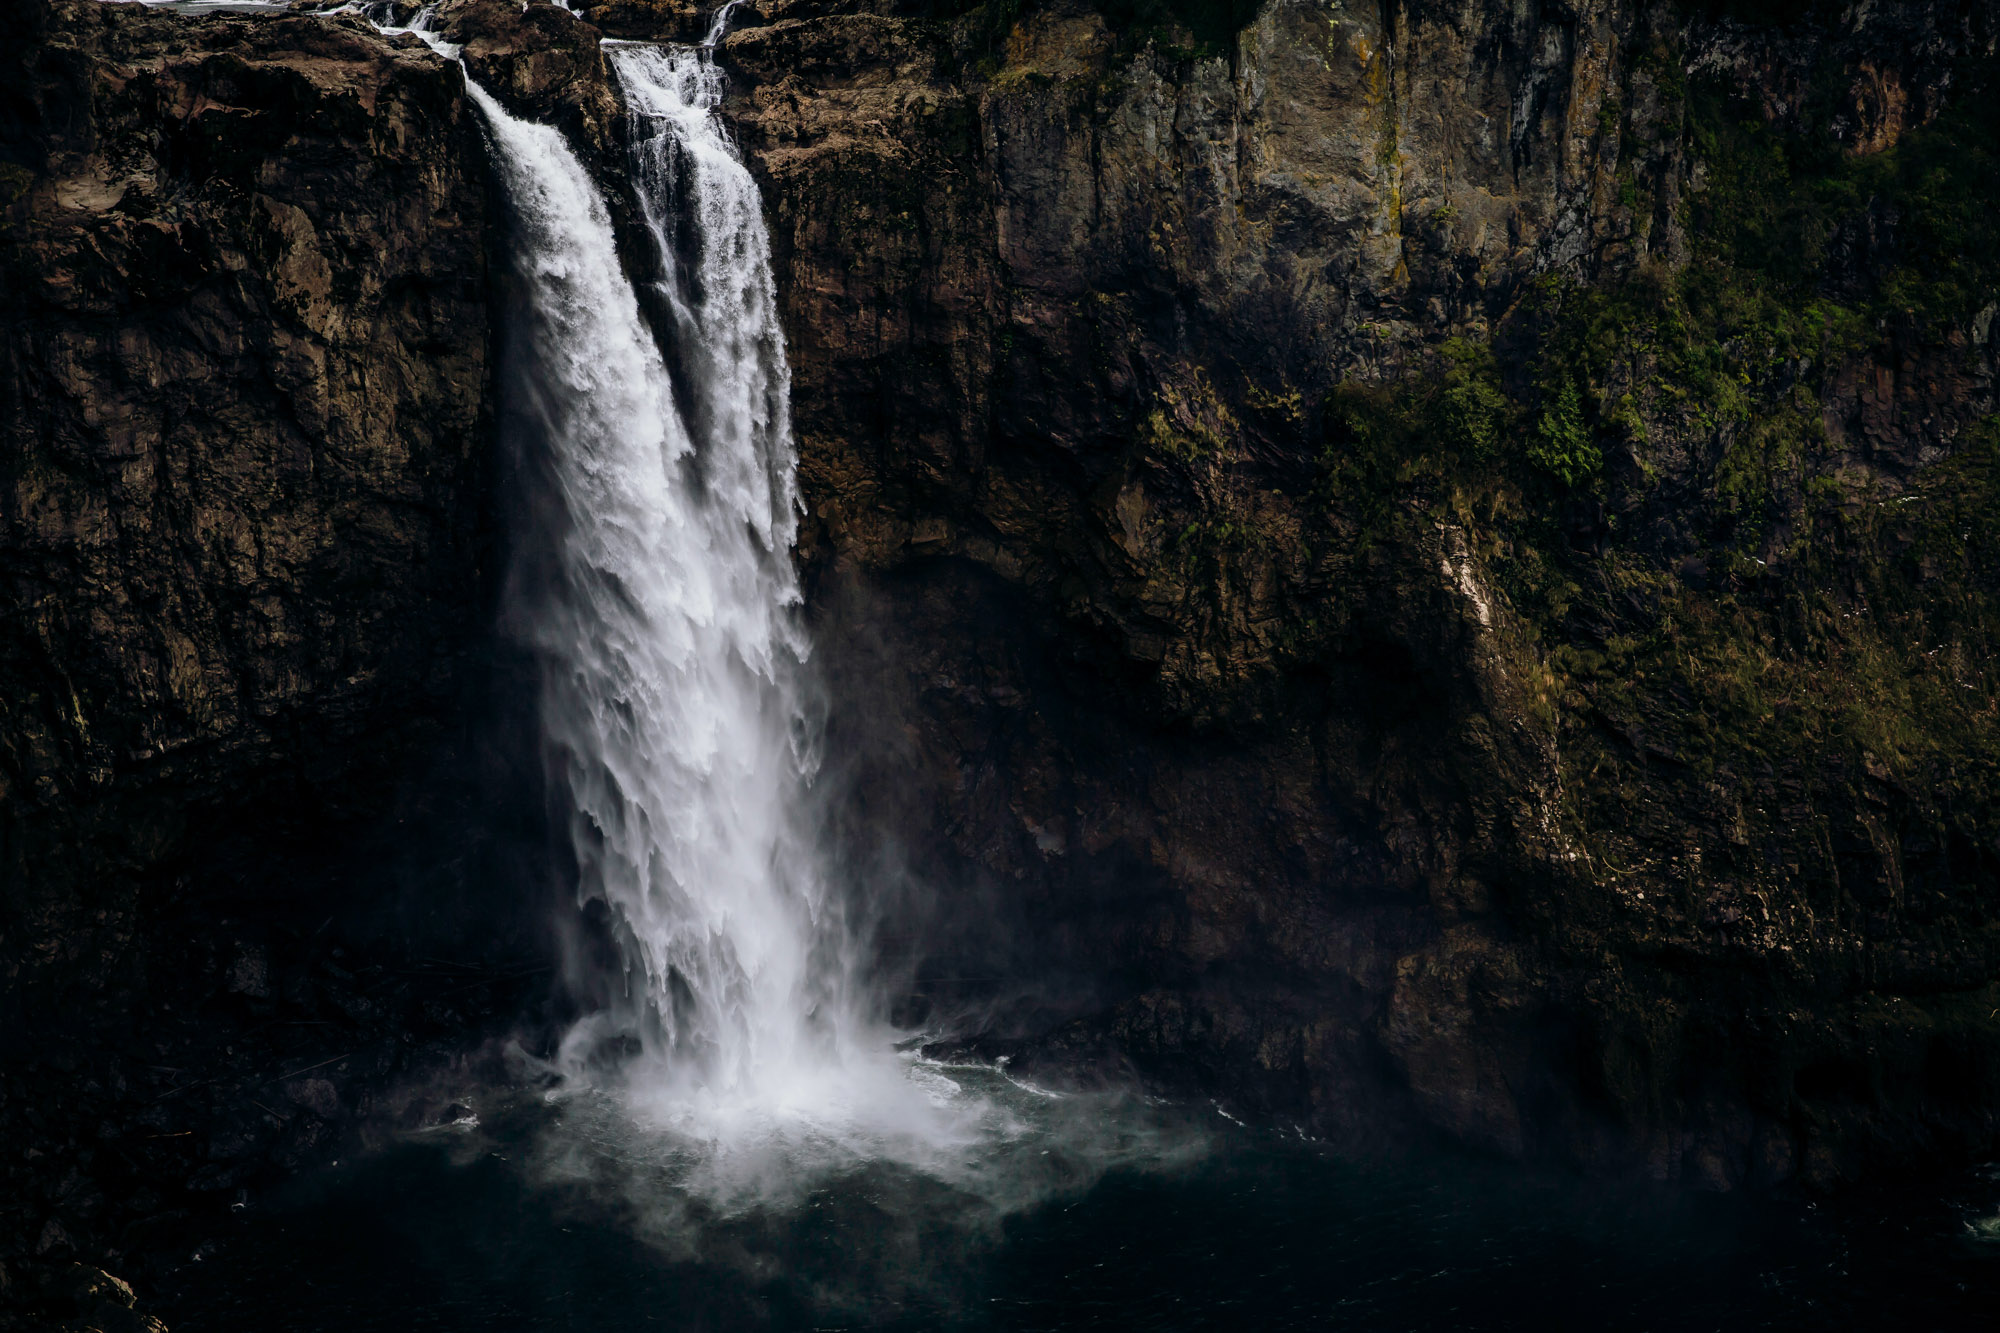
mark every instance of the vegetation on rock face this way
{"type": "Point", "coordinates": [1744, 506]}
{"type": "Point", "coordinates": [1584, 720]}
{"type": "Point", "coordinates": [1750, 352]}
{"type": "Point", "coordinates": [1558, 554]}
{"type": "Point", "coordinates": [1778, 325]}
{"type": "Point", "coordinates": [1562, 444]}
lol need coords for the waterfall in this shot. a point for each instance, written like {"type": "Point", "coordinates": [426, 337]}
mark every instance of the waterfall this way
{"type": "Point", "coordinates": [665, 608]}
{"type": "Point", "coordinates": [655, 583]}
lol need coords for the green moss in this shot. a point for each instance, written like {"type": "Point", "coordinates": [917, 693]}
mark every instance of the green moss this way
{"type": "Point", "coordinates": [1774, 286]}
{"type": "Point", "coordinates": [1285, 405]}
{"type": "Point", "coordinates": [1909, 230]}
{"type": "Point", "coordinates": [1190, 424]}
{"type": "Point", "coordinates": [1806, 630]}
{"type": "Point", "coordinates": [1204, 550]}
{"type": "Point", "coordinates": [1159, 435]}
{"type": "Point", "coordinates": [1754, 646]}
{"type": "Point", "coordinates": [1764, 467]}
{"type": "Point", "coordinates": [1472, 412]}
{"type": "Point", "coordinates": [1879, 644]}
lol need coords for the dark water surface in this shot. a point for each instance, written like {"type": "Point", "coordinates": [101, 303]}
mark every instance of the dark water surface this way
{"type": "Point", "coordinates": [1256, 1233]}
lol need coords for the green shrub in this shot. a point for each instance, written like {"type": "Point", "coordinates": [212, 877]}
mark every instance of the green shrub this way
{"type": "Point", "coordinates": [1563, 445]}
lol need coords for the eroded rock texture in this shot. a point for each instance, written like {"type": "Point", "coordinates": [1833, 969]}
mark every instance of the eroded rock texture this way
{"type": "Point", "coordinates": [244, 445]}
{"type": "Point", "coordinates": [1427, 563]}
{"type": "Point", "coordinates": [1339, 766]}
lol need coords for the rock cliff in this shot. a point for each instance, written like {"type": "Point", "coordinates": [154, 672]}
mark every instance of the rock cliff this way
{"type": "Point", "coordinates": [244, 489]}
{"type": "Point", "coordinates": [1428, 557]}
{"type": "Point", "coordinates": [246, 529]}
{"type": "Point", "coordinates": [1420, 564]}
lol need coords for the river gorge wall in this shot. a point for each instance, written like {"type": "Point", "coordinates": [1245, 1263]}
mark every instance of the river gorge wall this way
{"type": "Point", "coordinates": [1414, 566]}
{"type": "Point", "coordinates": [1183, 432]}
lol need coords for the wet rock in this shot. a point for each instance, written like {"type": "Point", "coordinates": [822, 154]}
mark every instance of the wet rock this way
{"type": "Point", "coordinates": [250, 973]}
{"type": "Point", "coordinates": [317, 1095]}
{"type": "Point", "coordinates": [650, 20]}
{"type": "Point", "coordinates": [540, 60]}
{"type": "Point", "coordinates": [93, 1287]}
{"type": "Point", "coordinates": [73, 1298]}
{"type": "Point", "coordinates": [54, 1240]}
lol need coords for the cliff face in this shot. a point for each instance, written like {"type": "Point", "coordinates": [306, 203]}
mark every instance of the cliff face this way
{"type": "Point", "coordinates": [1424, 557]}
{"type": "Point", "coordinates": [246, 533]}
{"type": "Point", "coordinates": [244, 477]}
{"type": "Point", "coordinates": [1428, 563]}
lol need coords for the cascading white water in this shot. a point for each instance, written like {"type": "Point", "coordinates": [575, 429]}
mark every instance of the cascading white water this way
{"type": "Point", "coordinates": [666, 610]}
{"type": "Point", "coordinates": [659, 591]}
{"type": "Point", "coordinates": [669, 627]}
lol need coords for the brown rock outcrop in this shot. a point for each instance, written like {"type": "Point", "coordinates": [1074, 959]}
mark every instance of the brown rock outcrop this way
{"type": "Point", "coordinates": [244, 463]}
{"type": "Point", "coordinates": [1261, 761]}
{"type": "Point", "coordinates": [540, 61]}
